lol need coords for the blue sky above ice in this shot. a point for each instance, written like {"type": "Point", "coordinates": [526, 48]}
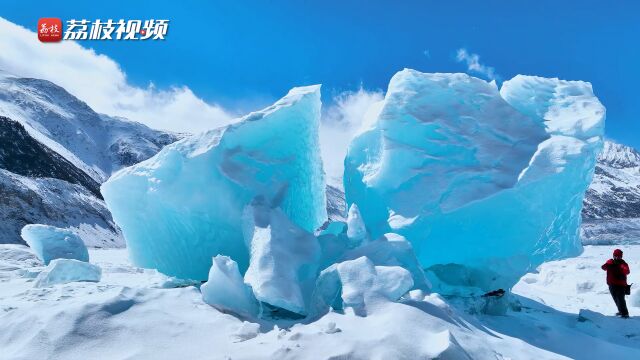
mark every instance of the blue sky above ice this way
{"type": "Point", "coordinates": [245, 54]}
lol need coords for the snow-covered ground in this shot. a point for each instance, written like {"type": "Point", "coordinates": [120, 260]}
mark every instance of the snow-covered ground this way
{"type": "Point", "coordinates": [579, 283]}
{"type": "Point", "coordinates": [564, 311]}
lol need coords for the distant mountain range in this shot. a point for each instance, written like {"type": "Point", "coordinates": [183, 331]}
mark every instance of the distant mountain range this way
{"type": "Point", "coordinates": [55, 151]}
{"type": "Point", "coordinates": [615, 189]}
{"type": "Point", "coordinates": [611, 211]}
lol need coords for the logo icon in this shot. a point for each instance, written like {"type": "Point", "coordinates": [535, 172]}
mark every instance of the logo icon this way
{"type": "Point", "coordinates": [49, 29]}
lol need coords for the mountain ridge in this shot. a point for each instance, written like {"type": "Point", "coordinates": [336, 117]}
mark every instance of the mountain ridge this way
{"type": "Point", "coordinates": [615, 189]}
{"type": "Point", "coordinates": [55, 151]}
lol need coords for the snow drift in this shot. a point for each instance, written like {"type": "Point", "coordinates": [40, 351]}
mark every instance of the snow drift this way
{"type": "Point", "coordinates": [185, 205]}
{"type": "Point", "coordinates": [485, 184]}
{"type": "Point", "coordinates": [62, 271]}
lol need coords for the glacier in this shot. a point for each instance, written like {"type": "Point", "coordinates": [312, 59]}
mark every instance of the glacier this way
{"type": "Point", "coordinates": [62, 271]}
{"type": "Point", "coordinates": [49, 243]}
{"type": "Point", "coordinates": [185, 205]}
{"type": "Point", "coordinates": [486, 184]}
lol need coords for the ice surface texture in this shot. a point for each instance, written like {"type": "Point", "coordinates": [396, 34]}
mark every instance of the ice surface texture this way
{"type": "Point", "coordinates": [486, 185]}
{"type": "Point", "coordinates": [359, 284]}
{"type": "Point", "coordinates": [284, 259]}
{"type": "Point", "coordinates": [62, 271]}
{"type": "Point", "coordinates": [49, 243]}
{"type": "Point", "coordinates": [226, 290]}
{"type": "Point", "coordinates": [356, 229]}
{"type": "Point", "coordinates": [183, 206]}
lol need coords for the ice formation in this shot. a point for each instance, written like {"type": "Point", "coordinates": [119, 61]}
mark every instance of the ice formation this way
{"type": "Point", "coordinates": [486, 185]}
{"type": "Point", "coordinates": [356, 230]}
{"type": "Point", "coordinates": [359, 284]}
{"type": "Point", "coordinates": [62, 271]}
{"type": "Point", "coordinates": [286, 262]}
{"type": "Point", "coordinates": [49, 243]}
{"type": "Point", "coordinates": [392, 250]}
{"type": "Point", "coordinates": [226, 290]}
{"type": "Point", "coordinates": [183, 206]}
{"type": "Point", "coordinates": [284, 259]}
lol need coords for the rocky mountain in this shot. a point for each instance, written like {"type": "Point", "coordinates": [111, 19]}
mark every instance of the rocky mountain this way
{"type": "Point", "coordinates": [97, 144]}
{"type": "Point", "coordinates": [611, 210]}
{"type": "Point", "coordinates": [55, 151]}
{"type": "Point", "coordinates": [44, 200]}
{"type": "Point", "coordinates": [336, 204]}
{"type": "Point", "coordinates": [23, 155]}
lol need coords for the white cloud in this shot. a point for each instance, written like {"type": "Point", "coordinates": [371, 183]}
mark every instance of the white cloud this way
{"type": "Point", "coordinates": [100, 82]}
{"type": "Point", "coordinates": [340, 122]}
{"type": "Point", "coordinates": [473, 64]}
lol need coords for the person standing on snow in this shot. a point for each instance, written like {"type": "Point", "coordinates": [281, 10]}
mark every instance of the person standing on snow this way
{"type": "Point", "coordinates": [617, 271]}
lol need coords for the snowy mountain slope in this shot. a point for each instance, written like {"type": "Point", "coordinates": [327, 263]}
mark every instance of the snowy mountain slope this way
{"type": "Point", "coordinates": [38, 185]}
{"type": "Point", "coordinates": [615, 189]}
{"type": "Point", "coordinates": [55, 151]}
{"type": "Point", "coordinates": [611, 207]}
{"type": "Point", "coordinates": [25, 200]}
{"type": "Point", "coordinates": [23, 155]}
{"type": "Point", "coordinates": [619, 156]}
{"type": "Point", "coordinates": [97, 144]}
{"type": "Point", "coordinates": [130, 142]}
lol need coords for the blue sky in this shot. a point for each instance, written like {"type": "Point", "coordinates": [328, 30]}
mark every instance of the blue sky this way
{"type": "Point", "coordinates": [245, 54]}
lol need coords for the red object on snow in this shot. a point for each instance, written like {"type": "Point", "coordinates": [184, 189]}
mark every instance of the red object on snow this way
{"type": "Point", "coordinates": [617, 272]}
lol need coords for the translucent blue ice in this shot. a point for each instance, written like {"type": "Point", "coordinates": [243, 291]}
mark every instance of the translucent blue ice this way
{"type": "Point", "coordinates": [226, 290]}
{"type": "Point", "coordinates": [356, 229]}
{"type": "Point", "coordinates": [49, 242]}
{"type": "Point", "coordinates": [486, 185]}
{"type": "Point", "coordinates": [183, 206]}
{"type": "Point", "coordinates": [284, 259]}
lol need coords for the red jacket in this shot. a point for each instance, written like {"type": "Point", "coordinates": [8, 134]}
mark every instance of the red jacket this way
{"type": "Point", "coordinates": [616, 273]}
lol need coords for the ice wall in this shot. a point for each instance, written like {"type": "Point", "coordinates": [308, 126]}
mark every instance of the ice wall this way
{"type": "Point", "coordinates": [486, 185]}
{"type": "Point", "coordinates": [183, 206]}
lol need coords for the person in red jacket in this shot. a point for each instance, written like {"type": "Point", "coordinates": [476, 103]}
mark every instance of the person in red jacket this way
{"type": "Point", "coordinates": [617, 271]}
